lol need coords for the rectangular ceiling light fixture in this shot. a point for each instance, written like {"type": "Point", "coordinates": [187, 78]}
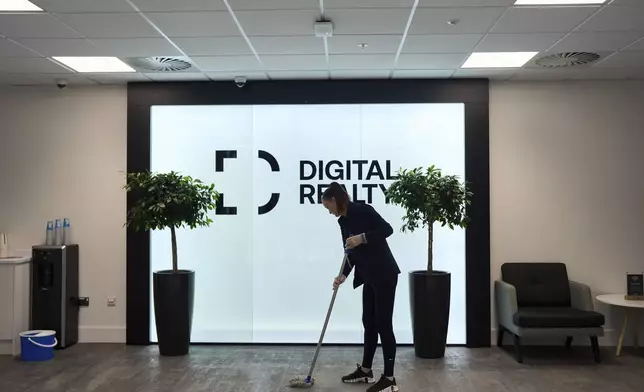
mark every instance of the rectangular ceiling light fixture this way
{"type": "Point", "coordinates": [558, 2]}
{"type": "Point", "coordinates": [18, 6]}
{"type": "Point", "coordinates": [498, 59]}
{"type": "Point", "coordinates": [95, 64]}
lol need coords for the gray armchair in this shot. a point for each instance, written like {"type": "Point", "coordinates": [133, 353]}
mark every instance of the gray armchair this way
{"type": "Point", "coordinates": [538, 300]}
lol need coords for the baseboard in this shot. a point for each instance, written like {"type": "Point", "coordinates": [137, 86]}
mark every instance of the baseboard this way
{"type": "Point", "coordinates": [6, 347]}
{"type": "Point", "coordinates": [609, 340]}
{"type": "Point", "coordinates": [101, 334]}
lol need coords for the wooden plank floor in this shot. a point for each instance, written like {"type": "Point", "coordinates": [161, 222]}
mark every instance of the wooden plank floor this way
{"type": "Point", "coordinates": [119, 368]}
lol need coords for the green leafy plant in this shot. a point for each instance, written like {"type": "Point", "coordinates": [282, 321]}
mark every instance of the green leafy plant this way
{"type": "Point", "coordinates": [169, 200]}
{"type": "Point", "coordinates": [428, 197]}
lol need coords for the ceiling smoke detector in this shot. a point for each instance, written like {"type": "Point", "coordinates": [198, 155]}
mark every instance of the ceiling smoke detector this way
{"type": "Point", "coordinates": [323, 29]}
{"type": "Point", "coordinates": [567, 59]}
{"type": "Point", "coordinates": [160, 64]}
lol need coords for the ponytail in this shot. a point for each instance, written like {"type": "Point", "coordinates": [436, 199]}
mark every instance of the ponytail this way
{"type": "Point", "coordinates": [337, 192]}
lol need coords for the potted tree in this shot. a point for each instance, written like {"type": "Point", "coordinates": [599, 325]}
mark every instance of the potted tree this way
{"type": "Point", "coordinates": [171, 201]}
{"type": "Point", "coordinates": [430, 197]}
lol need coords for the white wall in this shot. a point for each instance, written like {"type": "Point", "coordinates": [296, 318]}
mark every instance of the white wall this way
{"type": "Point", "coordinates": [61, 154]}
{"type": "Point", "coordinates": [566, 180]}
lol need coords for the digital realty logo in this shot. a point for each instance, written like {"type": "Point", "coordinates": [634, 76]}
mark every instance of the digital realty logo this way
{"type": "Point", "coordinates": [323, 171]}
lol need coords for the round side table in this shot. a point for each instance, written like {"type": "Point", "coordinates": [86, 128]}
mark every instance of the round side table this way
{"type": "Point", "coordinates": [631, 308]}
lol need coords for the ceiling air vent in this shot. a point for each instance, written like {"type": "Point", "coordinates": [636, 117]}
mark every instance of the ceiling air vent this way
{"type": "Point", "coordinates": [568, 59]}
{"type": "Point", "coordinates": [160, 64]}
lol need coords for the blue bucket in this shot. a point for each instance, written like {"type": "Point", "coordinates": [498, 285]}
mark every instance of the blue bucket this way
{"type": "Point", "coordinates": [36, 346]}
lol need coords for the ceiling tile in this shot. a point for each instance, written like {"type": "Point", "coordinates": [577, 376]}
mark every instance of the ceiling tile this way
{"type": "Point", "coordinates": [34, 26]}
{"type": "Point", "coordinates": [110, 25]}
{"type": "Point", "coordinates": [517, 42]}
{"type": "Point", "coordinates": [230, 75]}
{"type": "Point", "coordinates": [11, 49]}
{"type": "Point", "coordinates": [639, 45]}
{"type": "Point", "coordinates": [83, 6]}
{"type": "Point", "coordinates": [117, 78]}
{"type": "Point", "coordinates": [623, 59]}
{"type": "Point", "coordinates": [257, 23]}
{"type": "Point", "coordinates": [72, 79]}
{"type": "Point", "coordinates": [492, 74]}
{"type": "Point", "coordinates": [447, 43]}
{"type": "Point", "coordinates": [596, 41]}
{"type": "Point", "coordinates": [286, 75]}
{"type": "Point", "coordinates": [542, 19]}
{"type": "Point", "coordinates": [136, 47]}
{"type": "Point", "coordinates": [226, 63]}
{"type": "Point", "coordinates": [422, 74]}
{"type": "Point", "coordinates": [362, 61]}
{"type": "Point", "coordinates": [274, 4]}
{"type": "Point", "coordinates": [62, 47]}
{"type": "Point", "coordinates": [31, 65]}
{"type": "Point", "coordinates": [288, 45]}
{"type": "Point", "coordinates": [626, 2]}
{"type": "Point", "coordinates": [616, 18]}
{"type": "Point", "coordinates": [465, 3]}
{"type": "Point", "coordinates": [17, 80]}
{"type": "Point", "coordinates": [471, 20]}
{"type": "Point", "coordinates": [178, 5]}
{"type": "Point", "coordinates": [219, 46]}
{"type": "Point", "coordinates": [364, 74]}
{"type": "Point", "coordinates": [329, 4]}
{"type": "Point", "coordinates": [195, 24]}
{"type": "Point", "coordinates": [236, 5]}
{"type": "Point", "coordinates": [369, 21]}
{"type": "Point", "coordinates": [177, 76]}
{"type": "Point", "coordinates": [350, 44]}
{"type": "Point", "coordinates": [430, 61]}
{"type": "Point", "coordinates": [286, 63]}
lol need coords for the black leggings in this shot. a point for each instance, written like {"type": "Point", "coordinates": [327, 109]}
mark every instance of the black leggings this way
{"type": "Point", "coordinates": [377, 318]}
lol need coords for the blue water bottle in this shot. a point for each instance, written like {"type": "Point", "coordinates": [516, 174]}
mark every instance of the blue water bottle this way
{"type": "Point", "coordinates": [58, 232]}
{"type": "Point", "coordinates": [67, 238]}
{"type": "Point", "coordinates": [49, 238]}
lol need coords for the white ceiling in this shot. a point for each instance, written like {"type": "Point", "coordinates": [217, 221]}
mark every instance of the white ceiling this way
{"type": "Point", "coordinates": [274, 39]}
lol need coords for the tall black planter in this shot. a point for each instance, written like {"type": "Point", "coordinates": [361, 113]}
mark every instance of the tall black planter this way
{"type": "Point", "coordinates": [429, 296]}
{"type": "Point", "coordinates": [173, 304]}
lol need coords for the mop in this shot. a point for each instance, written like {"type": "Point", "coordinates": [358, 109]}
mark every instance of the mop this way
{"type": "Point", "coordinates": [308, 381]}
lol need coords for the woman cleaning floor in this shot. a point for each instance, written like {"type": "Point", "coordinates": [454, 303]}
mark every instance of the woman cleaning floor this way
{"type": "Point", "coordinates": [364, 233]}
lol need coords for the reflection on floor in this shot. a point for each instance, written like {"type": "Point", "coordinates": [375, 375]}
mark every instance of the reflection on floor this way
{"type": "Point", "coordinates": [119, 368]}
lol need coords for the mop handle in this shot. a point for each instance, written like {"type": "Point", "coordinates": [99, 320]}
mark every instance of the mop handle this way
{"type": "Point", "coordinates": [328, 316]}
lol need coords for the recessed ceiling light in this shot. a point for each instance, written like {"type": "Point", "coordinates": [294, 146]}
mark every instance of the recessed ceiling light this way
{"type": "Point", "coordinates": [95, 64]}
{"type": "Point", "coordinates": [558, 2]}
{"type": "Point", "coordinates": [18, 6]}
{"type": "Point", "coordinates": [498, 59]}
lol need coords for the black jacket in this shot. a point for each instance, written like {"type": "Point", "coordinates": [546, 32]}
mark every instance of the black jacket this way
{"type": "Point", "coordinates": [373, 260]}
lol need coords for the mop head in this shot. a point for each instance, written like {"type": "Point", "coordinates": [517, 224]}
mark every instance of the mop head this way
{"type": "Point", "coordinates": [302, 382]}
